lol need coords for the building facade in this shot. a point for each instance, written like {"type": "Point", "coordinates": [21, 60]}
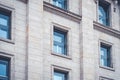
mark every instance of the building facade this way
{"type": "Point", "coordinates": [59, 40]}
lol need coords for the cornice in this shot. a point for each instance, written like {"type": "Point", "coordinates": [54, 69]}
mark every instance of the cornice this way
{"type": "Point", "coordinates": [107, 30]}
{"type": "Point", "coordinates": [64, 13]}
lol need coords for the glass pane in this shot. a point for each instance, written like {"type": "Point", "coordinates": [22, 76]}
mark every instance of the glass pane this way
{"type": "Point", "coordinates": [104, 56]}
{"type": "Point", "coordinates": [4, 20]}
{"type": "Point", "coordinates": [58, 37]}
{"type": "Point", "coordinates": [59, 42]}
{"type": "Point", "coordinates": [55, 48]}
{"type": "Point", "coordinates": [102, 15]}
{"type": "Point", "coordinates": [3, 33]}
{"type": "Point", "coordinates": [4, 26]}
{"type": "Point", "coordinates": [3, 68]}
{"type": "Point", "coordinates": [58, 49]}
{"type": "Point", "coordinates": [60, 3]}
{"type": "Point", "coordinates": [59, 76]}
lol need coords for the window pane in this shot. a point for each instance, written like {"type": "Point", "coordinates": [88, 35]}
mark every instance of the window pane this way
{"type": "Point", "coordinates": [3, 22]}
{"type": "Point", "coordinates": [3, 33]}
{"type": "Point", "coordinates": [4, 26]}
{"type": "Point", "coordinates": [59, 76]}
{"type": "Point", "coordinates": [59, 49]}
{"type": "Point", "coordinates": [105, 56]}
{"type": "Point", "coordinates": [58, 37]}
{"type": "Point", "coordinates": [103, 12]}
{"type": "Point", "coordinates": [3, 68]}
{"type": "Point", "coordinates": [102, 15]}
{"type": "Point", "coordinates": [59, 42]}
{"type": "Point", "coordinates": [60, 3]}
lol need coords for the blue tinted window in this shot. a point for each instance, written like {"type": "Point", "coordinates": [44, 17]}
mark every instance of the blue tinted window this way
{"type": "Point", "coordinates": [104, 12]}
{"type": "Point", "coordinates": [60, 3]}
{"type": "Point", "coordinates": [4, 69]}
{"type": "Point", "coordinates": [4, 25]}
{"type": "Point", "coordinates": [60, 75]}
{"type": "Point", "coordinates": [59, 42]}
{"type": "Point", "coordinates": [105, 55]}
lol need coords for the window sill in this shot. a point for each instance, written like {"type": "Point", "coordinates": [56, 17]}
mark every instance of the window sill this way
{"type": "Point", "coordinates": [107, 68]}
{"type": "Point", "coordinates": [25, 1]}
{"type": "Point", "coordinates": [7, 40]}
{"type": "Point", "coordinates": [106, 29]}
{"type": "Point", "coordinates": [62, 12]}
{"type": "Point", "coordinates": [60, 55]}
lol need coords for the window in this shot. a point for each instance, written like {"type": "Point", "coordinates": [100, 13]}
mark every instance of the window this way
{"type": "Point", "coordinates": [60, 3]}
{"type": "Point", "coordinates": [104, 13]}
{"type": "Point", "coordinates": [5, 23]}
{"type": "Point", "coordinates": [60, 42]}
{"type": "Point", "coordinates": [59, 75]}
{"type": "Point", "coordinates": [4, 68]}
{"type": "Point", "coordinates": [105, 55]}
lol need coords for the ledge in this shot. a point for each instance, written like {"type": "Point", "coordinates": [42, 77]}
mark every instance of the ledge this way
{"type": "Point", "coordinates": [25, 1]}
{"type": "Point", "coordinates": [107, 68]}
{"type": "Point", "coordinates": [106, 29]}
{"type": "Point", "coordinates": [62, 56]}
{"type": "Point", "coordinates": [59, 11]}
{"type": "Point", "coordinates": [7, 40]}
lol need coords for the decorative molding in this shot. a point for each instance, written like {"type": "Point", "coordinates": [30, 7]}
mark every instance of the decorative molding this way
{"type": "Point", "coordinates": [106, 29]}
{"type": "Point", "coordinates": [64, 13]}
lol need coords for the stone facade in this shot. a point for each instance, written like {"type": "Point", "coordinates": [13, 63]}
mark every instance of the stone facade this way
{"type": "Point", "coordinates": [31, 46]}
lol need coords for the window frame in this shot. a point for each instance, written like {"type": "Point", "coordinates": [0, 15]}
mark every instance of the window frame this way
{"type": "Point", "coordinates": [109, 3]}
{"type": "Point", "coordinates": [63, 70]}
{"type": "Point", "coordinates": [108, 54]}
{"type": "Point", "coordinates": [65, 40]}
{"type": "Point", "coordinates": [68, 44]}
{"type": "Point", "coordinates": [8, 14]}
{"type": "Point", "coordinates": [9, 57]}
{"type": "Point", "coordinates": [109, 44]}
{"type": "Point", "coordinates": [8, 9]}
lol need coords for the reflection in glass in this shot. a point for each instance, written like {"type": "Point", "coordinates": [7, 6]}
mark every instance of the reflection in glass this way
{"type": "Point", "coordinates": [60, 3]}
{"type": "Point", "coordinates": [4, 26]}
